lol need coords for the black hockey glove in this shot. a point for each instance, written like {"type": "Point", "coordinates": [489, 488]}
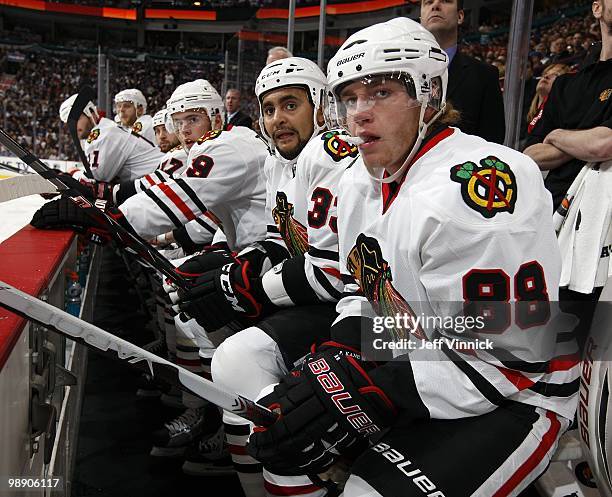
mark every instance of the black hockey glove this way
{"type": "Point", "coordinates": [210, 258]}
{"type": "Point", "coordinates": [328, 407]}
{"type": "Point", "coordinates": [223, 295]}
{"type": "Point", "coordinates": [63, 213]}
{"type": "Point", "coordinates": [89, 188]}
{"type": "Point", "coordinates": [102, 191]}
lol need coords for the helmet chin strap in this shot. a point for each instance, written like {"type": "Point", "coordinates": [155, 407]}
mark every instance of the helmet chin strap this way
{"type": "Point", "coordinates": [374, 172]}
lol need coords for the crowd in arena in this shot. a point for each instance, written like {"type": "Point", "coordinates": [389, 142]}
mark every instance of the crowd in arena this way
{"type": "Point", "coordinates": [202, 4]}
{"type": "Point", "coordinates": [37, 83]}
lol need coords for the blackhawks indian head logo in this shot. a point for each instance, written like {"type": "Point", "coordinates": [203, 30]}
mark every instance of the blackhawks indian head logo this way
{"type": "Point", "coordinates": [367, 265]}
{"type": "Point", "coordinates": [336, 148]}
{"type": "Point", "coordinates": [487, 188]}
{"type": "Point", "coordinates": [93, 135]}
{"type": "Point", "coordinates": [294, 233]}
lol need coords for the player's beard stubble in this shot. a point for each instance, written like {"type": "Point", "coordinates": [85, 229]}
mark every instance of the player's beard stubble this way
{"type": "Point", "coordinates": [293, 152]}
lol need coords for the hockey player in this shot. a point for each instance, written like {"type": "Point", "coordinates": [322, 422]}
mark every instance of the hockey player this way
{"type": "Point", "coordinates": [113, 153]}
{"type": "Point", "coordinates": [165, 140]}
{"type": "Point", "coordinates": [295, 301]}
{"type": "Point", "coordinates": [131, 107]}
{"type": "Point", "coordinates": [224, 177]}
{"type": "Point", "coordinates": [428, 219]}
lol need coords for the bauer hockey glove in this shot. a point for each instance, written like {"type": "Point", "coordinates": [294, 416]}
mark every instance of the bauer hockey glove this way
{"type": "Point", "coordinates": [223, 295]}
{"type": "Point", "coordinates": [210, 258]}
{"type": "Point", "coordinates": [63, 213]}
{"type": "Point", "coordinates": [328, 407]}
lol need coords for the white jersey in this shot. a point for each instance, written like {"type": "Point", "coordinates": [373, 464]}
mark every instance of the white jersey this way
{"type": "Point", "coordinates": [301, 213]}
{"type": "Point", "coordinates": [118, 155]}
{"type": "Point", "coordinates": [470, 222]}
{"type": "Point", "coordinates": [224, 180]}
{"type": "Point", "coordinates": [201, 230]}
{"type": "Point", "coordinates": [144, 127]}
{"type": "Point", "coordinates": [173, 163]}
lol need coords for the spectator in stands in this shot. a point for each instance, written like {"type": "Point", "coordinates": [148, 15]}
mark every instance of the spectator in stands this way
{"type": "Point", "coordinates": [473, 87]}
{"type": "Point", "coordinates": [233, 114]}
{"type": "Point", "coordinates": [542, 91]}
{"type": "Point", "coordinates": [576, 128]}
{"type": "Point", "coordinates": [557, 51]}
{"type": "Point", "coordinates": [276, 53]}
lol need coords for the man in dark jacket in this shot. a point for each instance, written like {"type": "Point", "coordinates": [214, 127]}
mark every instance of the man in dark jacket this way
{"type": "Point", "coordinates": [473, 87]}
{"type": "Point", "coordinates": [233, 114]}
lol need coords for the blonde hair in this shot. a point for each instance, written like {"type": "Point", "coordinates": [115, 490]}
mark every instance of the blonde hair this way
{"type": "Point", "coordinates": [450, 116]}
{"type": "Point", "coordinates": [537, 100]}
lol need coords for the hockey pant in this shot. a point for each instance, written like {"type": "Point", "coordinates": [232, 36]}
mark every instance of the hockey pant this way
{"type": "Point", "coordinates": [497, 454]}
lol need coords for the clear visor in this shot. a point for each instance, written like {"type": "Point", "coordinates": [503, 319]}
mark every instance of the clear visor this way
{"type": "Point", "coordinates": [358, 100]}
{"type": "Point", "coordinates": [196, 119]}
{"type": "Point", "coordinates": [124, 104]}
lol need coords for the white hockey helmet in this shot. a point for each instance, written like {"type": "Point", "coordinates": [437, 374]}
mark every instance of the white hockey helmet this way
{"type": "Point", "coordinates": [134, 96]}
{"type": "Point", "coordinates": [64, 110]}
{"type": "Point", "coordinates": [400, 48]}
{"type": "Point", "coordinates": [198, 94]}
{"type": "Point", "coordinates": [292, 71]}
{"type": "Point", "coordinates": [159, 119]}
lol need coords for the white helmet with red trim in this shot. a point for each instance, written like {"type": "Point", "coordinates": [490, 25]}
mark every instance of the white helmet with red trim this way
{"type": "Point", "coordinates": [90, 109]}
{"type": "Point", "coordinates": [398, 49]}
{"type": "Point", "coordinates": [159, 119]}
{"type": "Point", "coordinates": [292, 71]}
{"type": "Point", "coordinates": [198, 94]}
{"type": "Point", "coordinates": [134, 96]}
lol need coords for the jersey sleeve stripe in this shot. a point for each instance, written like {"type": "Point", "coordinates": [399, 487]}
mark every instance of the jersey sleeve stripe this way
{"type": "Point", "coordinates": [556, 389]}
{"type": "Point", "coordinates": [563, 363]}
{"type": "Point", "coordinates": [324, 282]}
{"type": "Point", "coordinates": [164, 208]}
{"type": "Point", "coordinates": [150, 180]}
{"type": "Point", "coordinates": [205, 225]}
{"type": "Point", "coordinates": [332, 271]}
{"type": "Point", "coordinates": [324, 254]}
{"type": "Point", "coordinates": [162, 177]}
{"type": "Point", "coordinates": [296, 284]}
{"type": "Point", "coordinates": [191, 194]}
{"type": "Point", "coordinates": [178, 201]}
{"type": "Point", "coordinates": [486, 389]}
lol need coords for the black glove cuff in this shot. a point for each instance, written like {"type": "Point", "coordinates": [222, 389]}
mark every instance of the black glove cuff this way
{"type": "Point", "coordinates": [348, 331]}
{"type": "Point", "coordinates": [182, 238]}
{"type": "Point", "coordinates": [125, 191]}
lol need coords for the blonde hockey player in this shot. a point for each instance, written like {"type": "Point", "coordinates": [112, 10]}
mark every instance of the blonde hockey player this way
{"type": "Point", "coordinates": [114, 154]}
{"type": "Point", "coordinates": [429, 219]}
{"type": "Point", "coordinates": [131, 107]}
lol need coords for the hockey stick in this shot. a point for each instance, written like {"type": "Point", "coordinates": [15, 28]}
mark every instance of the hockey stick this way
{"type": "Point", "coordinates": [116, 348]}
{"type": "Point", "coordinates": [130, 241]}
{"type": "Point", "coordinates": [24, 185]}
{"type": "Point", "coordinates": [83, 332]}
{"type": "Point", "coordinates": [86, 95]}
{"type": "Point", "coordinates": [12, 169]}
